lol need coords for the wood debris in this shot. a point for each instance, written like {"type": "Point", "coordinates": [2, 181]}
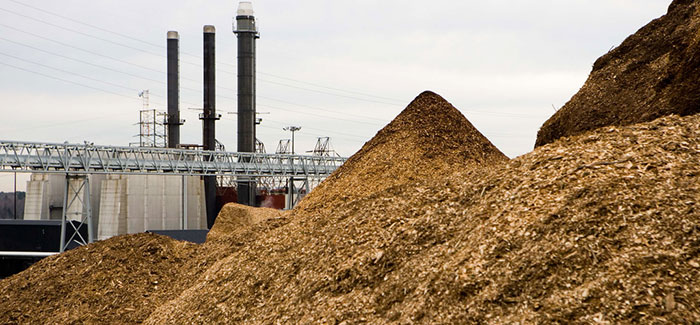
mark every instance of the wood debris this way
{"type": "Point", "coordinates": [653, 73]}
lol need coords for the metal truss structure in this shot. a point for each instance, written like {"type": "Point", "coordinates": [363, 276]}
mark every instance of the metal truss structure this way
{"type": "Point", "coordinates": [297, 172]}
{"type": "Point", "coordinates": [323, 148]}
{"type": "Point", "coordinates": [82, 159]}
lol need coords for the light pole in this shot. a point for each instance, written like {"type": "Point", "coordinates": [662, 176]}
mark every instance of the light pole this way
{"type": "Point", "coordinates": [293, 129]}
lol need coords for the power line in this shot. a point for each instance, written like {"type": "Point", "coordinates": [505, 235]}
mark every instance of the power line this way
{"type": "Point", "coordinates": [190, 89]}
{"type": "Point", "coordinates": [162, 47]}
{"type": "Point", "coordinates": [96, 65]}
{"type": "Point", "coordinates": [79, 32]}
{"type": "Point", "coordinates": [155, 80]}
{"type": "Point", "coordinates": [317, 108]}
{"type": "Point", "coordinates": [317, 115]}
{"type": "Point", "coordinates": [85, 24]}
{"type": "Point", "coordinates": [322, 130]}
{"type": "Point", "coordinates": [81, 61]}
{"type": "Point", "coordinates": [325, 92]}
{"type": "Point", "coordinates": [89, 35]}
{"type": "Point", "coordinates": [69, 72]}
{"type": "Point", "coordinates": [66, 80]}
{"type": "Point", "coordinates": [331, 88]}
{"type": "Point", "coordinates": [82, 49]}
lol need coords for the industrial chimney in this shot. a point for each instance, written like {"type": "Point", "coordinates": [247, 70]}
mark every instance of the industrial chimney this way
{"type": "Point", "coordinates": [173, 121]}
{"type": "Point", "coordinates": [209, 118]}
{"type": "Point", "coordinates": [247, 33]}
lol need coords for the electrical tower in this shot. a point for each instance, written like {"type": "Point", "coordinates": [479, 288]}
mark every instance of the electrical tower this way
{"type": "Point", "coordinates": [323, 148]}
{"type": "Point", "coordinates": [259, 146]}
{"type": "Point", "coordinates": [151, 124]}
{"type": "Point", "coordinates": [283, 147]}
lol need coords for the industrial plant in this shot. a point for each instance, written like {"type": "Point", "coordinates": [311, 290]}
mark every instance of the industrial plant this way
{"type": "Point", "coordinates": [86, 192]}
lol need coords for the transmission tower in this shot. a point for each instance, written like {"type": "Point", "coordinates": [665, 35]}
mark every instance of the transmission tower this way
{"type": "Point", "coordinates": [259, 146]}
{"type": "Point", "coordinates": [323, 148]}
{"type": "Point", "coordinates": [151, 124]}
{"type": "Point", "coordinates": [283, 147]}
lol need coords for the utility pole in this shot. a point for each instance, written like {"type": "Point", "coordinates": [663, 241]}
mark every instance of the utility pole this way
{"type": "Point", "coordinates": [293, 129]}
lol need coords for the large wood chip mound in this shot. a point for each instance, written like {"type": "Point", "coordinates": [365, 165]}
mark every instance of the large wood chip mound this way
{"type": "Point", "coordinates": [653, 73]}
{"type": "Point", "coordinates": [602, 227]}
{"type": "Point", "coordinates": [428, 138]}
{"type": "Point", "coordinates": [115, 281]}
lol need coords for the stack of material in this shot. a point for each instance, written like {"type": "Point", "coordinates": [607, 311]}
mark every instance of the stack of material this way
{"type": "Point", "coordinates": [123, 279]}
{"type": "Point", "coordinates": [429, 138]}
{"type": "Point", "coordinates": [119, 280]}
{"type": "Point", "coordinates": [234, 217]}
{"type": "Point", "coordinates": [599, 227]}
{"type": "Point", "coordinates": [326, 235]}
{"type": "Point", "coordinates": [653, 73]}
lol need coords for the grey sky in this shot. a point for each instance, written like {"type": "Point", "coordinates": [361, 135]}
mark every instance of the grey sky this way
{"type": "Point", "coordinates": [502, 63]}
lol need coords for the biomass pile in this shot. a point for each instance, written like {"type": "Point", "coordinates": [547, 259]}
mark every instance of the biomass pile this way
{"type": "Point", "coordinates": [234, 217]}
{"type": "Point", "coordinates": [429, 138]}
{"type": "Point", "coordinates": [328, 232]}
{"type": "Point", "coordinates": [119, 280]}
{"type": "Point", "coordinates": [123, 279]}
{"type": "Point", "coordinates": [598, 227]}
{"type": "Point", "coordinates": [653, 73]}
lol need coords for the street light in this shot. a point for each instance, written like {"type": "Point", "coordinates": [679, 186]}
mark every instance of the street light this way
{"type": "Point", "coordinates": [293, 129]}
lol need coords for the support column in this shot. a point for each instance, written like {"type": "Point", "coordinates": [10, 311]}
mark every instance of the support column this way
{"type": "Point", "coordinates": [76, 207]}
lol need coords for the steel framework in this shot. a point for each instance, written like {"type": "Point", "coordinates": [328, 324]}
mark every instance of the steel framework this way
{"type": "Point", "coordinates": [77, 161]}
{"type": "Point", "coordinates": [81, 159]}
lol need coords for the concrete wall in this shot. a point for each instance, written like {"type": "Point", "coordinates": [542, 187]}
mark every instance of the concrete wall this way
{"type": "Point", "coordinates": [121, 204]}
{"type": "Point", "coordinates": [155, 203]}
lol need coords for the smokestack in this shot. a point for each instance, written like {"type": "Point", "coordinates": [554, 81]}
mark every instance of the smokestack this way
{"type": "Point", "coordinates": [173, 121]}
{"type": "Point", "coordinates": [209, 118]}
{"type": "Point", "coordinates": [247, 33]}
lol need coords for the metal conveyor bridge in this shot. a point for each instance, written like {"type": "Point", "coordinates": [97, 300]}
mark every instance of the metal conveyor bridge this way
{"type": "Point", "coordinates": [77, 161]}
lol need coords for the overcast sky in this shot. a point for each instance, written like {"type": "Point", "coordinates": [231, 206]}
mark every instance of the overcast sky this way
{"type": "Point", "coordinates": [71, 70]}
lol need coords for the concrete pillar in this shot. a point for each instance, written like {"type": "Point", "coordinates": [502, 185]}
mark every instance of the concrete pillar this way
{"type": "Point", "coordinates": [36, 202]}
{"type": "Point", "coordinates": [113, 207]}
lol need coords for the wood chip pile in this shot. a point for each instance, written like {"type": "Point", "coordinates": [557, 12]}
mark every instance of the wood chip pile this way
{"type": "Point", "coordinates": [119, 280]}
{"type": "Point", "coordinates": [600, 227]}
{"type": "Point", "coordinates": [653, 73]}
{"type": "Point", "coordinates": [429, 137]}
{"type": "Point", "coordinates": [235, 217]}
{"type": "Point", "coordinates": [123, 279]}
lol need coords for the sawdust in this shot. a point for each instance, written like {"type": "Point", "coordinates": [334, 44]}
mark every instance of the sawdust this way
{"type": "Point", "coordinates": [653, 73]}
{"type": "Point", "coordinates": [427, 140]}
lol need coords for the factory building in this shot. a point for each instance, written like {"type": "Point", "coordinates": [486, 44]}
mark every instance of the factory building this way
{"type": "Point", "coordinates": [122, 204]}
